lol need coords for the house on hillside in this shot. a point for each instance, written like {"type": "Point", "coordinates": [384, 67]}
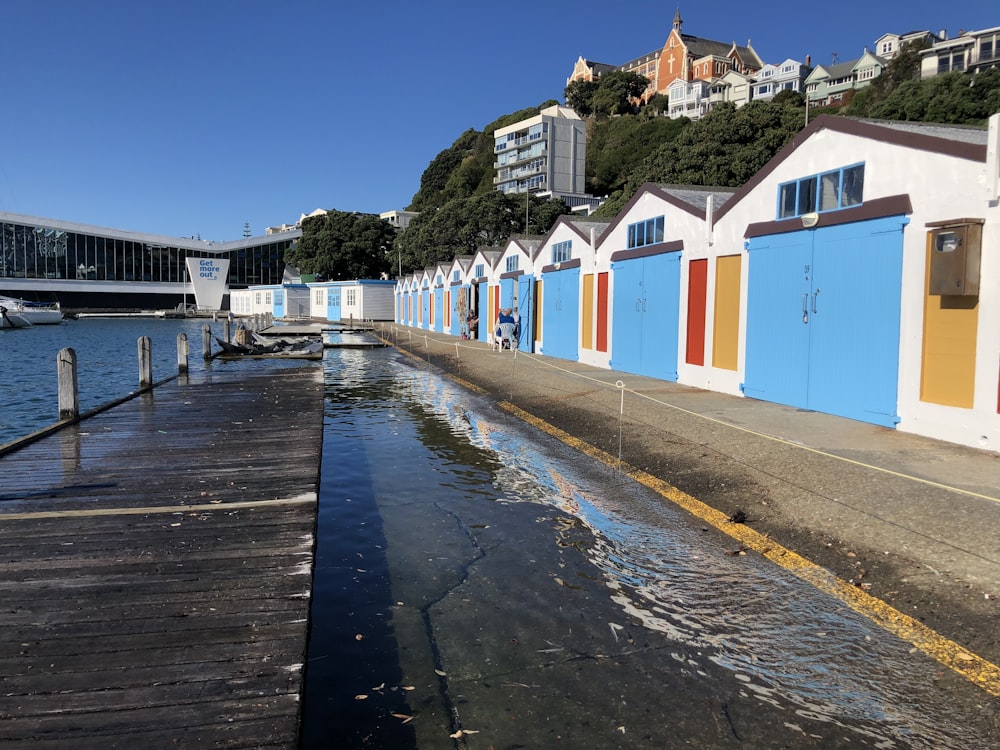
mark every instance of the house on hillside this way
{"type": "Point", "coordinates": [888, 45]}
{"type": "Point", "coordinates": [771, 80]}
{"type": "Point", "coordinates": [828, 85]}
{"type": "Point", "coordinates": [683, 57]}
{"type": "Point", "coordinates": [735, 88]}
{"type": "Point", "coordinates": [971, 51]}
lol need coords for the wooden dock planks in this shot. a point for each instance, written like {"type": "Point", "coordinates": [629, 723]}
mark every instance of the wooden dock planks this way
{"type": "Point", "coordinates": [156, 568]}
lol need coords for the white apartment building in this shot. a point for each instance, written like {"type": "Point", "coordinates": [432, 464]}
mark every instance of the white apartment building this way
{"type": "Point", "coordinates": [546, 153]}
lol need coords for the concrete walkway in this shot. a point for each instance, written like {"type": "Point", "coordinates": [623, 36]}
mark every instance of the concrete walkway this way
{"type": "Point", "coordinates": [913, 522]}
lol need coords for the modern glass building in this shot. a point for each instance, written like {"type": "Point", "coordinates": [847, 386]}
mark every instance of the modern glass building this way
{"type": "Point", "coordinates": [87, 267]}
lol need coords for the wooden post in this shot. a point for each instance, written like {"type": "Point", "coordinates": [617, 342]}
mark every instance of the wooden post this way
{"type": "Point", "coordinates": [227, 332]}
{"type": "Point", "coordinates": [206, 341]}
{"type": "Point", "coordinates": [69, 393]}
{"type": "Point", "coordinates": [145, 363]}
{"type": "Point", "coordinates": [182, 353]}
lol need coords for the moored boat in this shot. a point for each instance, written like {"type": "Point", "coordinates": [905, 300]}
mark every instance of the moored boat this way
{"type": "Point", "coordinates": [19, 313]}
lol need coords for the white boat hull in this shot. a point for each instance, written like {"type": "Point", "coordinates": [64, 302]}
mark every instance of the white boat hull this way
{"type": "Point", "coordinates": [16, 313]}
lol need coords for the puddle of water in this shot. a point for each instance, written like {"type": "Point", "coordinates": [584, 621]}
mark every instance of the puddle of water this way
{"type": "Point", "coordinates": [398, 439]}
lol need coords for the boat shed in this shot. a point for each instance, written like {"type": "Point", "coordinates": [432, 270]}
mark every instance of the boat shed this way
{"type": "Point", "coordinates": [566, 262]}
{"type": "Point", "coordinates": [658, 228]}
{"type": "Point", "coordinates": [870, 281]}
{"type": "Point", "coordinates": [516, 286]}
{"type": "Point", "coordinates": [857, 273]}
{"type": "Point", "coordinates": [357, 299]}
{"type": "Point", "coordinates": [483, 277]}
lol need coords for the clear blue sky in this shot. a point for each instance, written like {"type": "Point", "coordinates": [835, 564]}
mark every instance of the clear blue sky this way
{"type": "Point", "coordinates": [191, 117]}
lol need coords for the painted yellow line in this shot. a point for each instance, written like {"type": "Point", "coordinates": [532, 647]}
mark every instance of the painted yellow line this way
{"type": "Point", "coordinates": [972, 667]}
{"type": "Point", "coordinates": [161, 509]}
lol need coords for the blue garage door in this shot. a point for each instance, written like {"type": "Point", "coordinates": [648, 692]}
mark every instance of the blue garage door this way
{"type": "Point", "coordinates": [482, 332]}
{"type": "Point", "coordinates": [439, 309]}
{"type": "Point", "coordinates": [333, 304]}
{"type": "Point", "coordinates": [561, 313]}
{"type": "Point", "coordinates": [526, 311]}
{"type": "Point", "coordinates": [823, 312]}
{"type": "Point", "coordinates": [646, 315]}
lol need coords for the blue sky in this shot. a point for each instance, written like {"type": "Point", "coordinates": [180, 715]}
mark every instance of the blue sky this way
{"type": "Point", "coordinates": [194, 116]}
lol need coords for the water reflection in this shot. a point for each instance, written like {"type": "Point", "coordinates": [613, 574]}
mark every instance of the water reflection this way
{"type": "Point", "coordinates": [785, 644]}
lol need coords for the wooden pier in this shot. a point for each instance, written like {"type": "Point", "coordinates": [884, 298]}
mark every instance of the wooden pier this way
{"type": "Point", "coordinates": [156, 568]}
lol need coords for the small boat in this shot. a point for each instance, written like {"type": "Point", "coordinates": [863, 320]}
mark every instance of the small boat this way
{"type": "Point", "coordinates": [19, 313]}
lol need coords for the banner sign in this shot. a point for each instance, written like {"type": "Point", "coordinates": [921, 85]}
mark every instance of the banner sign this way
{"type": "Point", "coordinates": [208, 277]}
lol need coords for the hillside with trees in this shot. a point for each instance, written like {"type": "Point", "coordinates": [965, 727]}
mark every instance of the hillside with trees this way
{"type": "Point", "coordinates": [627, 145]}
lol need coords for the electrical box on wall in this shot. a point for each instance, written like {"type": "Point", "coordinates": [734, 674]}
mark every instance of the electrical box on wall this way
{"type": "Point", "coordinates": [955, 253]}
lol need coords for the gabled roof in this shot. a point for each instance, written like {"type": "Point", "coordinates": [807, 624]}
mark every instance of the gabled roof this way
{"type": "Point", "coordinates": [871, 56]}
{"type": "Point", "coordinates": [704, 47]}
{"type": "Point", "coordinates": [697, 197]}
{"type": "Point", "coordinates": [529, 244]}
{"type": "Point", "coordinates": [581, 225]}
{"type": "Point", "coordinates": [690, 198]}
{"type": "Point", "coordinates": [600, 68]}
{"type": "Point", "coordinates": [961, 142]}
{"type": "Point", "coordinates": [835, 71]}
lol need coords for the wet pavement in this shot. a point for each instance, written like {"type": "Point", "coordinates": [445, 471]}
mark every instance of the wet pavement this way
{"type": "Point", "coordinates": [508, 592]}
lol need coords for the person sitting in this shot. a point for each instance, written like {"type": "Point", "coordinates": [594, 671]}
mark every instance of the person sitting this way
{"type": "Point", "coordinates": [504, 329]}
{"type": "Point", "coordinates": [472, 325]}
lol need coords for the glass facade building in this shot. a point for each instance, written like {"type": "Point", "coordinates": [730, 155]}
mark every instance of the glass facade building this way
{"type": "Point", "coordinates": [55, 259]}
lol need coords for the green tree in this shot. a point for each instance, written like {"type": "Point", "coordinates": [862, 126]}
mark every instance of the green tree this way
{"type": "Point", "coordinates": [904, 67]}
{"type": "Point", "coordinates": [435, 177]}
{"type": "Point", "coordinates": [723, 149]}
{"type": "Point", "coordinates": [462, 226]}
{"type": "Point", "coordinates": [614, 93]}
{"type": "Point", "coordinates": [658, 104]}
{"type": "Point", "coordinates": [579, 96]}
{"type": "Point", "coordinates": [954, 98]}
{"type": "Point", "coordinates": [618, 145]}
{"type": "Point", "coordinates": [343, 245]}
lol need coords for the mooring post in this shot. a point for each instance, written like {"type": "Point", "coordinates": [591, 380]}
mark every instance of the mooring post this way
{"type": "Point", "coordinates": [145, 362]}
{"type": "Point", "coordinates": [182, 353]}
{"type": "Point", "coordinates": [227, 329]}
{"type": "Point", "coordinates": [69, 393]}
{"type": "Point", "coordinates": [206, 341]}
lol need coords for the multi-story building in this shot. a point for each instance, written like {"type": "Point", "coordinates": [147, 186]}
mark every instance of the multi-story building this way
{"type": "Point", "coordinates": [969, 51]}
{"type": "Point", "coordinates": [546, 153]}
{"type": "Point", "coordinates": [683, 57]}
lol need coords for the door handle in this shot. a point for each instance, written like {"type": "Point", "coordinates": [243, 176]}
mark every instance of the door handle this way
{"type": "Point", "coordinates": [815, 295]}
{"type": "Point", "coordinates": [805, 307]}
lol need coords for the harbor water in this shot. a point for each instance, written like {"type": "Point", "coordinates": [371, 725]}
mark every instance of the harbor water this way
{"type": "Point", "coordinates": [107, 362]}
